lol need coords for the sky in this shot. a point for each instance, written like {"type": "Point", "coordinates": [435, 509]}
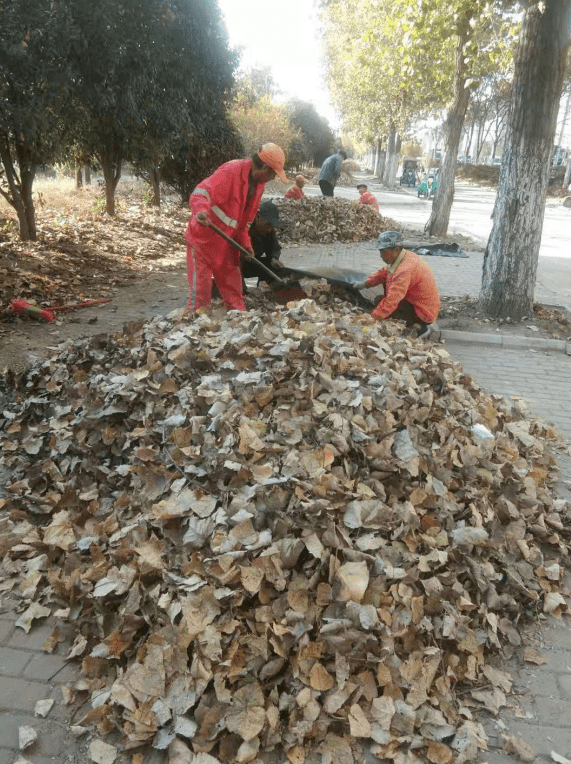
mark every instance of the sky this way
{"type": "Point", "coordinates": [282, 34]}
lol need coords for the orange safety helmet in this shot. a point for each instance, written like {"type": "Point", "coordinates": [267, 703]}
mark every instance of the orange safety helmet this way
{"type": "Point", "coordinates": [274, 157]}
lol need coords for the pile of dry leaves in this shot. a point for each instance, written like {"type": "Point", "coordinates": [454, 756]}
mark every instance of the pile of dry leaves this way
{"type": "Point", "coordinates": [316, 219]}
{"type": "Point", "coordinates": [293, 532]}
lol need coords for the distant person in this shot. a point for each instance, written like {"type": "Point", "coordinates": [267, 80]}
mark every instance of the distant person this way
{"type": "Point", "coordinates": [331, 172]}
{"type": "Point", "coordinates": [229, 198]}
{"type": "Point", "coordinates": [411, 293]}
{"type": "Point", "coordinates": [296, 191]}
{"type": "Point", "coordinates": [367, 197]}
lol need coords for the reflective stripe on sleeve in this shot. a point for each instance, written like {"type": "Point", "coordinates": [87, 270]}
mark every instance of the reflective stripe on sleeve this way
{"type": "Point", "coordinates": [202, 192]}
{"type": "Point", "coordinates": [224, 217]}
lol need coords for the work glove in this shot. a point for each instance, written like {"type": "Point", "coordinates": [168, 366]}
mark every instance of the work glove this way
{"type": "Point", "coordinates": [359, 285]}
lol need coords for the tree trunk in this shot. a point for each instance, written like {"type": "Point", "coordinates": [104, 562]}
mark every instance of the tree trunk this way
{"type": "Point", "coordinates": [155, 180]}
{"type": "Point", "coordinates": [469, 146]}
{"type": "Point", "coordinates": [19, 194]}
{"type": "Point", "coordinates": [438, 222]}
{"type": "Point", "coordinates": [390, 152]}
{"type": "Point", "coordinates": [111, 165]}
{"type": "Point", "coordinates": [394, 162]}
{"type": "Point", "coordinates": [87, 175]}
{"type": "Point", "coordinates": [510, 260]}
{"type": "Point", "coordinates": [381, 160]}
{"type": "Point", "coordinates": [567, 177]}
{"type": "Point", "coordinates": [78, 176]}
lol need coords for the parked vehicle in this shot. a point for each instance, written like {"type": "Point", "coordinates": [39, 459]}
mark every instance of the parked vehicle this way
{"type": "Point", "coordinates": [428, 185]}
{"type": "Point", "coordinates": [410, 170]}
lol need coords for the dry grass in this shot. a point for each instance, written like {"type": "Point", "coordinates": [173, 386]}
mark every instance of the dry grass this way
{"type": "Point", "coordinates": [59, 198]}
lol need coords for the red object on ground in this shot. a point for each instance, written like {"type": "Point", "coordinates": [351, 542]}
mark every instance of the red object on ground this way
{"type": "Point", "coordinates": [224, 197]}
{"type": "Point", "coordinates": [47, 314]}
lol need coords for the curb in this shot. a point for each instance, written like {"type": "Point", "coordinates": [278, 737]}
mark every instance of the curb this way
{"type": "Point", "coordinates": [506, 340]}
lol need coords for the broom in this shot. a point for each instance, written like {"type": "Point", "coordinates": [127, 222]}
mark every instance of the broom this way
{"type": "Point", "coordinates": [285, 291]}
{"type": "Point", "coordinates": [47, 314]}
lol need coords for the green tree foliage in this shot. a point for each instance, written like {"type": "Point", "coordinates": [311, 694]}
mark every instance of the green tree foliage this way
{"type": "Point", "coordinates": [379, 80]}
{"type": "Point", "coordinates": [35, 82]}
{"type": "Point", "coordinates": [194, 158]}
{"type": "Point", "coordinates": [318, 138]}
{"type": "Point", "coordinates": [255, 83]}
{"type": "Point", "coordinates": [263, 121]}
{"type": "Point", "coordinates": [148, 72]}
{"type": "Point", "coordinates": [121, 79]}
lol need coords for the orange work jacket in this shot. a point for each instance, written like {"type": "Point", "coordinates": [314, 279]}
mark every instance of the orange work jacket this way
{"type": "Point", "coordinates": [368, 198]}
{"type": "Point", "coordinates": [412, 281]}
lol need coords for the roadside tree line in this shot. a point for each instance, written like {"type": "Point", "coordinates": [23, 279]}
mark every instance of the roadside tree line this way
{"type": "Point", "coordinates": [144, 81]}
{"type": "Point", "coordinates": [393, 63]}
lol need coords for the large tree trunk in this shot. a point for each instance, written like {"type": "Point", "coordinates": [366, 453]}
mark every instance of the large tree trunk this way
{"type": "Point", "coordinates": [440, 216]}
{"type": "Point", "coordinates": [510, 261]}
{"type": "Point", "coordinates": [155, 180]}
{"type": "Point", "coordinates": [78, 176]}
{"type": "Point", "coordinates": [567, 177]}
{"type": "Point", "coordinates": [87, 175]}
{"type": "Point", "coordinates": [390, 152]}
{"type": "Point", "coordinates": [19, 193]}
{"type": "Point", "coordinates": [394, 162]}
{"type": "Point", "coordinates": [111, 165]}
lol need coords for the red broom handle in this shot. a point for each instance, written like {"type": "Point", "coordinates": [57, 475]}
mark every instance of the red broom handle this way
{"type": "Point", "coordinates": [80, 304]}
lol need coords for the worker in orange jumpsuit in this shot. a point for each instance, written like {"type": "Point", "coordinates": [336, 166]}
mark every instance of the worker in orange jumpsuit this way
{"type": "Point", "coordinates": [296, 192]}
{"type": "Point", "coordinates": [367, 197]}
{"type": "Point", "coordinates": [229, 198]}
{"type": "Point", "coordinates": [411, 293]}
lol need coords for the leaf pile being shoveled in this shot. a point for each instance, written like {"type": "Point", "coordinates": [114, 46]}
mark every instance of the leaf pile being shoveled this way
{"type": "Point", "coordinates": [324, 220]}
{"type": "Point", "coordinates": [293, 533]}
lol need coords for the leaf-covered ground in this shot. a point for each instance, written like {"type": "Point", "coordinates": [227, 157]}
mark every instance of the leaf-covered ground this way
{"type": "Point", "coordinates": [82, 254]}
{"type": "Point", "coordinates": [292, 533]}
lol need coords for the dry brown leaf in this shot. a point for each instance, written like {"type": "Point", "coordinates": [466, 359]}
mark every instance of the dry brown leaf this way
{"type": "Point", "coordinates": [359, 725]}
{"type": "Point", "coordinates": [354, 577]}
{"type": "Point", "coordinates": [438, 753]}
{"type": "Point", "coordinates": [319, 678]}
{"type": "Point", "coordinates": [532, 656]}
{"type": "Point", "coordinates": [521, 749]}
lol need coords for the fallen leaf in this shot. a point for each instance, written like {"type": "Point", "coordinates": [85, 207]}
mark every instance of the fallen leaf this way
{"type": "Point", "coordinates": [102, 753]}
{"type": "Point", "coordinates": [521, 749]}
{"type": "Point", "coordinates": [27, 736]}
{"type": "Point", "coordinates": [34, 611]}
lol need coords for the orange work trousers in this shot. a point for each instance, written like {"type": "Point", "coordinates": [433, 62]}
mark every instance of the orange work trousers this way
{"type": "Point", "coordinates": [218, 263]}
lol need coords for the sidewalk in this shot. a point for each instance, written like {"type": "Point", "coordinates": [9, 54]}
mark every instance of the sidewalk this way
{"type": "Point", "coordinates": [539, 710]}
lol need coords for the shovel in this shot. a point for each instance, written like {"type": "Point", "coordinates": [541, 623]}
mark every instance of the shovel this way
{"type": "Point", "coordinates": [350, 293]}
{"type": "Point", "coordinates": [285, 291]}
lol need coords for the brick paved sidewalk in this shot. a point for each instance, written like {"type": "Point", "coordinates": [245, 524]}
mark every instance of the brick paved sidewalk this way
{"type": "Point", "coordinates": [540, 709]}
{"type": "Point", "coordinates": [28, 675]}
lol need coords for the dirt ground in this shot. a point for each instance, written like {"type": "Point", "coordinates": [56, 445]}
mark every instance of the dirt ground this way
{"type": "Point", "coordinates": [463, 313]}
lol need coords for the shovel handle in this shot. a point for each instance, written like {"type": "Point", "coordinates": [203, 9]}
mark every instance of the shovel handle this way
{"type": "Point", "coordinates": [241, 249]}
